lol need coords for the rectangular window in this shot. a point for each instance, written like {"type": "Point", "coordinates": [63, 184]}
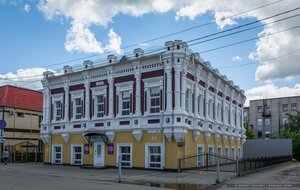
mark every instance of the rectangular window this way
{"type": "Point", "coordinates": [210, 156]}
{"type": "Point", "coordinates": [200, 158]}
{"type": "Point", "coordinates": [294, 106]}
{"type": "Point", "coordinates": [259, 109]}
{"type": "Point", "coordinates": [187, 101]}
{"type": "Point", "coordinates": [78, 108]}
{"type": "Point", "coordinates": [233, 153]}
{"type": "Point", "coordinates": [57, 154]}
{"type": "Point", "coordinates": [226, 153]}
{"type": "Point", "coordinates": [125, 154]}
{"type": "Point", "coordinates": [77, 154]}
{"type": "Point", "coordinates": [58, 107]}
{"type": "Point", "coordinates": [267, 121]}
{"type": "Point", "coordinates": [154, 100]}
{"type": "Point", "coordinates": [239, 153]}
{"type": "Point", "coordinates": [285, 107]}
{"type": "Point", "coordinates": [100, 103]}
{"type": "Point", "coordinates": [125, 103]}
{"type": "Point", "coordinates": [259, 134]}
{"type": "Point", "coordinates": [259, 122]}
{"type": "Point", "coordinates": [155, 158]}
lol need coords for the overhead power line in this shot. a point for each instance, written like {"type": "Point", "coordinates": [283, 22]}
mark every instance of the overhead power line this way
{"type": "Point", "coordinates": [167, 35]}
{"type": "Point", "coordinates": [206, 36]}
{"type": "Point", "coordinates": [263, 61]}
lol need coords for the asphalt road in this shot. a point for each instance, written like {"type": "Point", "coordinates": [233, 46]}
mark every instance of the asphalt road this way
{"type": "Point", "coordinates": [15, 180]}
{"type": "Point", "coordinates": [282, 177]}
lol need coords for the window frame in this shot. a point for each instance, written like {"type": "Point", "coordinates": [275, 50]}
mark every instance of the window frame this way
{"type": "Point", "coordinates": [54, 153]}
{"type": "Point", "coordinates": [156, 97]}
{"type": "Point", "coordinates": [201, 158]}
{"type": "Point", "coordinates": [150, 83]}
{"type": "Point", "coordinates": [293, 106]}
{"type": "Point", "coordinates": [259, 109]}
{"type": "Point", "coordinates": [120, 154]}
{"type": "Point", "coordinates": [259, 123]}
{"type": "Point", "coordinates": [78, 94]}
{"type": "Point", "coordinates": [73, 159]}
{"type": "Point", "coordinates": [285, 107]}
{"type": "Point", "coordinates": [148, 155]}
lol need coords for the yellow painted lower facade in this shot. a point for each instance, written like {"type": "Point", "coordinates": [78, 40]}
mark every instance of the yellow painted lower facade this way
{"type": "Point", "coordinates": [153, 150]}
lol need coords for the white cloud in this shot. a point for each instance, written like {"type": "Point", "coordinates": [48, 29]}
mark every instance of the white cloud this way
{"type": "Point", "coordinates": [26, 8]}
{"type": "Point", "coordinates": [236, 58]}
{"type": "Point", "coordinates": [253, 56]}
{"type": "Point", "coordinates": [84, 14]}
{"type": "Point", "coordinates": [271, 91]}
{"type": "Point", "coordinates": [27, 78]}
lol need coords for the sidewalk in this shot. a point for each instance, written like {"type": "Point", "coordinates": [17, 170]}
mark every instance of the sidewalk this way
{"type": "Point", "coordinates": [161, 178]}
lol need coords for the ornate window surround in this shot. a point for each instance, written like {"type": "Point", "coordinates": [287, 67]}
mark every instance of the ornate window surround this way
{"type": "Point", "coordinates": [75, 95]}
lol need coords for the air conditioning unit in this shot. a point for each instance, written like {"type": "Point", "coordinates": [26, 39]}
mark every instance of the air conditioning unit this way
{"type": "Point", "coordinates": [11, 112]}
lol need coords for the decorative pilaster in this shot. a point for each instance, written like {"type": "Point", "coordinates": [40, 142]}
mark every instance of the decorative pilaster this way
{"type": "Point", "coordinates": [177, 89]}
{"type": "Point", "coordinates": [138, 92]}
{"type": "Point", "coordinates": [111, 97]}
{"type": "Point", "coordinates": [87, 99]}
{"type": "Point", "coordinates": [206, 103]}
{"type": "Point", "coordinates": [183, 89]}
{"type": "Point", "coordinates": [66, 114]}
{"type": "Point", "coordinates": [196, 100]}
{"type": "Point", "coordinates": [169, 89]}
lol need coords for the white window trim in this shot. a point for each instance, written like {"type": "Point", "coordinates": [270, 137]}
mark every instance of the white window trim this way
{"type": "Point", "coordinates": [227, 156]}
{"type": "Point", "coordinates": [233, 156]}
{"type": "Point", "coordinates": [53, 156]}
{"type": "Point", "coordinates": [148, 84]}
{"type": "Point", "coordinates": [120, 88]}
{"type": "Point", "coordinates": [213, 151]}
{"type": "Point", "coordinates": [131, 152]}
{"type": "Point", "coordinates": [57, 98]}
{"type": "Point", "coordinates": [72, 152]}
{"type": "Point", "coordinates": [203, 161]}
{"type": "Point", "coordinates": [75, 95]}
{"type": "Point", "coordinates": [147, 164]}
{"type": "Point", "coordinates": [261, 122]}
{"type": "Point", "coordinates": [98, 91]}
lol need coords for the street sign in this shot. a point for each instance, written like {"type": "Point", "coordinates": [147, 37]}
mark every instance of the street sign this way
{"type": "Point", "coordinates": [2, 124]}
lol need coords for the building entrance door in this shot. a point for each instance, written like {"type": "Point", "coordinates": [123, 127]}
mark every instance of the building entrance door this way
{"type": "Point", "coordinates": [99, 153]}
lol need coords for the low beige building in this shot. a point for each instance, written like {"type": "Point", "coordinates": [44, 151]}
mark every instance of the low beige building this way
{"type": "Point", "coordinates": [21, 109]}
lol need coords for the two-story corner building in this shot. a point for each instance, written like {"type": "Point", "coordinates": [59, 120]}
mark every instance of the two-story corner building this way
{"type": "Point", "coordinates": [148, 110]}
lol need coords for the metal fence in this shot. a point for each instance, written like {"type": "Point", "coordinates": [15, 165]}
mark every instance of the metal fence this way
{"type": "Point", "coordinates": [206, 162]}
{"type": "Point", "coordinates": [212, 162]}
{"type": "Point", "coordinates": [248, 165]}
{"type": "Point", "coordinates": [26, 157]}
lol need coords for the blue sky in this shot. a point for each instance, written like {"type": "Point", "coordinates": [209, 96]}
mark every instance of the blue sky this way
{"type": "Point", "coordinates": [34, 34]}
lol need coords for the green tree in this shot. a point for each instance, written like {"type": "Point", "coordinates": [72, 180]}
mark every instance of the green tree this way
{"type": "Point", "coordinates": [292, 131]}
{"type": "Point", "coordinates": [249, 132]}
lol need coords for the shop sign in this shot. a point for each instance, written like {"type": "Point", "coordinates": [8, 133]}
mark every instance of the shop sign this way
{"type": "Point", "coordinates": [86, 148]}
{"type": "Point", "coordinates": [110, 148]}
